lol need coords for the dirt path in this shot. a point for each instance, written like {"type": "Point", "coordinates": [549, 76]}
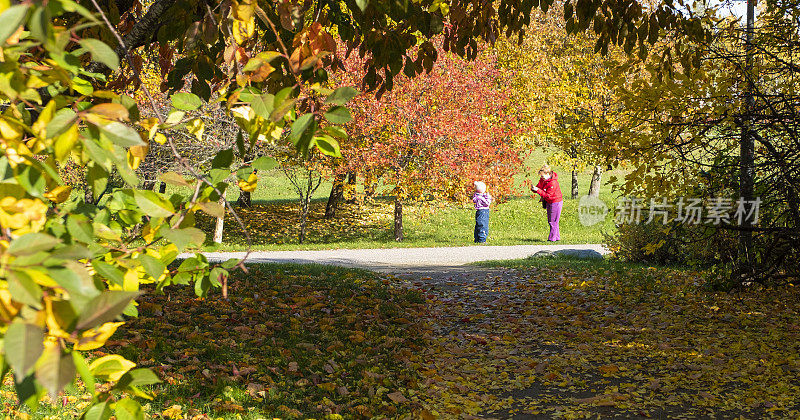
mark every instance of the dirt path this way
{"type": "Point", "coordinates": [400, 260]}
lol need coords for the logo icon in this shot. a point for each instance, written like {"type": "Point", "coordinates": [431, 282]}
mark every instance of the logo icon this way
{"type": "Point", "coordinates": [591, 210]}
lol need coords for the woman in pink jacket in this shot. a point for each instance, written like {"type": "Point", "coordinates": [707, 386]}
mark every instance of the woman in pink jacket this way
{"type": "Point", "coordinates": [550, 191]}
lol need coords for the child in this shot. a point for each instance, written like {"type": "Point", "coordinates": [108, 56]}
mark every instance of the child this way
{"type": "Point", "coordinates": [550, 191]}
{"type": "Point", "coordinates": [482, 199]}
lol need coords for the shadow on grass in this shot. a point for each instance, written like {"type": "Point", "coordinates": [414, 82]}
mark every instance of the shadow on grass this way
{"type": "Point", "coordinates": [275, 222]}
{"type": "Point", "coordinates": [291, 340]}
{"type": "Point", "coordinates": [576, 263]}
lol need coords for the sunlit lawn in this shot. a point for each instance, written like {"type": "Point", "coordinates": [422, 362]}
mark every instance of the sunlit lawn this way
{"type": "Point", "coordinates": [273, 221]}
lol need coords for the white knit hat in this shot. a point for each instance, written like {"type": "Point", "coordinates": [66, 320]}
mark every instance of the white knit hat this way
{"type": "Point", "coordinates": [480, 187]}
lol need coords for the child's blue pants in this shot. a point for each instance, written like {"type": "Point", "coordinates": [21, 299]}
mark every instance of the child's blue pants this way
{"type": "Point", "coordinates": [481, 225]}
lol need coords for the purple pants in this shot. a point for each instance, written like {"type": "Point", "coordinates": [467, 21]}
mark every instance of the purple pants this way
{"type": "Point", "coordinates": [553, 216]}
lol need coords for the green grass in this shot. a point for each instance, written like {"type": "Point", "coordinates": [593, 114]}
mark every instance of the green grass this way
{"type": "Point", "coordinates": [274, 225]}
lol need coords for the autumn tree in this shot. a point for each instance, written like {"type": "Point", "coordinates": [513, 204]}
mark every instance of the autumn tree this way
{"type": "Point", "coordinates": [687, 123]}
{"type": "Point", "coordinates": [564, 83]}
{"type": "Point", "coordinates": [432, 135]}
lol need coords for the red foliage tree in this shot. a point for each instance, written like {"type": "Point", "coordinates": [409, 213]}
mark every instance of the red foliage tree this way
{"type": "Point", "coordinates": [433, 135]}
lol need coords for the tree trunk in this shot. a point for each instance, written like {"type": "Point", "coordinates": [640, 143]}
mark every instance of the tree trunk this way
{"type": "Point", "coordinates": [746, 150]}
{"type": "Point", "coordinates": [244, 200]}
{"type": "Point", "coordinates": [162, 188]}
{"type": "Point", "coordinates": [575, 192]}
{"type": "Point", "coordinates": [337, 193]}
{"type": "Point", "coordinates": [369, 184]}
{"type": "Point", "coordinates": [594, 187]}
{"type": "Point", "coordinates": [398, 220]}
{"type": "Point", "coordinates": [351, 183]}
{"type": "Point", "coordinates": [303, 219]}
{"type": "Point", "coordinates": [220, 221]}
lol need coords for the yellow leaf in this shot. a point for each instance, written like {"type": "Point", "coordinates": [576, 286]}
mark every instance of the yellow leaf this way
{"type": "Point", "coordinates": [243, 10]}
{"type": "Point", "coordinates": [44, 117]}
{"type": "Point", "coordinates": [243, 30]}
{"type": "Point", "coordinates": [97, 337]}
{"type": "Point", "coordinates": [130, 281]}
{"type": "Point", "coordinates": [110, 367]}
{"type": "Point", "coordinates": [196, 127]}
{"type": "Point", "coordinates": [110, 110]}
{"type": "Point", "coordinates": [65, 142]}
{"type": "Point", "coordinates": [608, 369]}
{"type": "Point", "coordinates": [133, 160]}
{"type": "Point", "coordinates": [58, 194]}
{"type": "Point", "coordinates": [248, 185]}
{"type": "Point", "coordinates": [10, 130]}
{"type": "Point", "coordinates": [174, 412]}
{"type": "Point", "coordinates": [8, 308]}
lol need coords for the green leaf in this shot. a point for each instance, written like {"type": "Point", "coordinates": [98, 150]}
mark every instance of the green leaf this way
{"type": "Point", "coordinates": [152, 266]}
{"type": "Point", "coordinates": [362, 4]}
{"type": "Point", "coordinates": [213, 208]}
{"type": "Point", "coordinates": [217, 273]}
{"type": "Point", "coordinates": [101, 52]}
{"type": "Point", "coordinates": [10, 20]}
{"type": "Point", "coordinates": [174, 178]}
{"type": "Point", "coordinates": [121, 134]}
{"type": "Point", "coordinates": [223, 159]}
{"type": "Point", "coordinates": [23, 289]}
{"type": "Point", "coordinates": [128, 409]}
{"type": "Point", "coordinates": [338, 115]}
{"type": "Point", "coordinates": [233, 262]}
{"type": "Point", "coordinates": [201, 286]}
{"type": "Point", "coordinates": [341, 95]}
{"type": "Point", "coordinates": [23, 344]}
{"type": "Point", "coordinates": [282, 104]}
{"type": "Point", "coordinates": [175, 117]}
{"type": "Point", "coordinates": [100, 411]}
{"type": "Point", "coordinates": [104, 308]}
{"type": "Point", "coordinates": [32, 243]}
{"type": "Point", "coordinates": [32, 180]}
{"type": "Point", "coordinates": [186, 101]}
{"type": "Point", "coordinates": [152, 204]}
{"type": "Point", "coordinates": [336, 132]}
{"type": "Point", "coordinates": [219, 175]}
{"type": "Point", "coordinates": [62, 120]}
{"type": "Point", "coordinates": [72, 252]}
{"type": "Point", "coordinates": [83, 370]}
{"type": "Point", "coordinates": [109, 272]}
{"type": "Point", "coordinates": [264, 163]}
{"type": "Point", "coordinates": [75, 279]}
{"type": "Point", "coordinates": [97, 179]}
{"type": "Point", "coordinates": [327, 145]}
{"type": "Point", "coordinates": [55, 370]}
{"type": "Point", "coordinates": [137, 377]}
{"type": "Point", "coordinates": [80, 228]}
{"type": "Point", "coordinates": [39, 25]}
{"type": "Point", "coordinates": [262, 104]}
{"type": "Point", "coordinates": [299, 127]}
{"type": "Point", "coordinates": [82, 86]}
{"type": "Point", "coordinates": [184, 237]}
